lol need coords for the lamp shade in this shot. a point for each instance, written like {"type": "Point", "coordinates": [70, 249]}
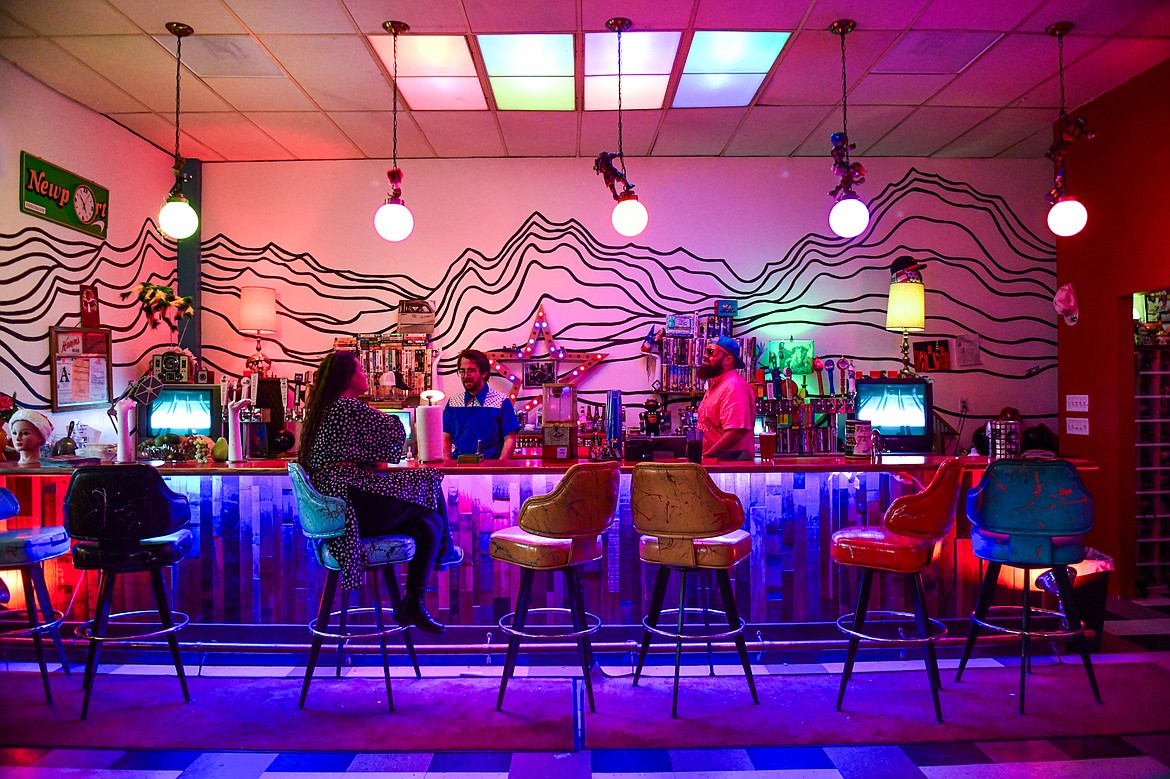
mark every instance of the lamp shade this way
{"type": "Point", "coordinates": [393, 220]}
{"type": "Point", "coordinates": [629, 215]}
{"type": "Point", "coordinates": [906, 309]}
{"type": "Point", "coordinates": [257, 310]}
{"type": "Point", "coordinates": [177, 219]}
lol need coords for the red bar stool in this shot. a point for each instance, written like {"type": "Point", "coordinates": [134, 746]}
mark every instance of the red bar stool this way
{"type": "Point", "coordinates": [909, 539]}
{"type": "Point", "coordinates": [559, 531]}
{"type": "Point", "coordinates": [691, 526]}
{"type": "Point", "coordinates": [26, 550]}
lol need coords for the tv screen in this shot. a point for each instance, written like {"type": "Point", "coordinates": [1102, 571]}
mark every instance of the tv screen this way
{"type": "Point", "coordinates": [900, 409]}
{"type": "Point", "coordinates": [406, 418]}
{"type": "Point", "coordinates": [182, 409]}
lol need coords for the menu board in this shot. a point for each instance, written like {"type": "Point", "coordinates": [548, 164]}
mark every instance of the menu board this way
{"type": "Point", "coordinates": [80, 360]}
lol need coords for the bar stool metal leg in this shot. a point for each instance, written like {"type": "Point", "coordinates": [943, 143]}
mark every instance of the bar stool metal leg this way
{"type": "Point", "coordinates": [322, 624]}
{"type": "Point", "coordinates": [526, 577]}
{"type": "Point", "coordinates": [982, 606]}
{"type": "Point", "coordinates": [706, 593]}
{"type": "Point", "coordinates": [682, 615]}
{"type": "Point", "coordinates": [101, 619]}
{"type": "Point", "coordinates": [863, 590]}
{"type": "Point", "coordinates": [30, 607]}
{"type": "Point", "coordinates": [923, 619]}
{"type": "Point", "coordinates": [378, 620]}
{"type": "Point", "coordinates": [656, 600]}
{"type": "Point", "coordinates": [164, 613]}
{"type": "Point", "coordinates": [391, 580]}
{"type": "Point", "coordinates": [729, 607]}
{"type": "Point", "coordinates": [576, 574]}
{"type": "Point", "coordinates": [343, 619]}
{"type": "Point", "coordinates": [46, 605]}
{"type": "Point", "coordinates": [1069, 606]}
{"type": "Point", "coordinates": [577, 610]}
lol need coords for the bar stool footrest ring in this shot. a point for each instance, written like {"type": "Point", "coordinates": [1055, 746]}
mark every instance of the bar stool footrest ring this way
{"type": "Point", "coordinates": [1016, 612]}
{"type": "Point", "coordinates": [705, 637]}
{"type": "Point", "coordinates": [845, 625]}
{"type": "Point", "coordinates": [592, 624]}
{"type": "Point", "coordinates": [14, 617]}
{"type": "Point", "coordinates": [393, 627]}
{"type": "Point", "coordinates": [85, 629]}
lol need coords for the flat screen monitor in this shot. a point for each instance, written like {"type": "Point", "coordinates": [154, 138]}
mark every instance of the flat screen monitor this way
{"type": "Point", "coordinates": [406, 417]}
{"type": "Point", "coordinates": [182, 409]}
{"type": "Point", "coordinates": [901, 410]}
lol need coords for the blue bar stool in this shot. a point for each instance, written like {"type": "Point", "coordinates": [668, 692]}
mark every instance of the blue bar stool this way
{"type": "Point", "coordinates": [26, 550]}
{"type": "Point", "coordinates": [126, 520]}
{"type": "Point", "coordinates": [322, 517]}
{"type": "Point", "coordinates": [1029, 514]}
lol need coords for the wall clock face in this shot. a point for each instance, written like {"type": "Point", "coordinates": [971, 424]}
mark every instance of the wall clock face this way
{"type": "Point", "coordinates": [84, 204]}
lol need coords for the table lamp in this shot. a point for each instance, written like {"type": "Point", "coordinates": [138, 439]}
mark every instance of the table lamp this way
{"type": "Point", "coordinates": [906, 311]}
{"type": "Point", "coordinates": [258, 317]}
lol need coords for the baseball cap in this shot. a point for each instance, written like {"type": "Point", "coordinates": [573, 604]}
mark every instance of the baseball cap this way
{"type": "Point", "coordinates": [731, 346]}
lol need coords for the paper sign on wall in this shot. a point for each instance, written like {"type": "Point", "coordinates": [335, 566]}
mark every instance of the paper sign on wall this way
{"type": "Point", "coordinates": [65, 198]}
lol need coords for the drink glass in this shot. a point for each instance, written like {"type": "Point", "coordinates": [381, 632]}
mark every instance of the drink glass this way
{"type": "Point", "coordinates": [768, 445]}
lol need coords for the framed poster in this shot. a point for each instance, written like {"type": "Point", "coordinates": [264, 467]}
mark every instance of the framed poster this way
{"type": "Point", "coordinates": [79, 358]}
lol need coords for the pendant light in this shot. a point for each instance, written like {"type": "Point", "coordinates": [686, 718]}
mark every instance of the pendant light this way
{"type": "Point", "coordinates": [849, 216]}
{"type": "Point", "coordinates": [1067, 215]}
{"type": "Point", "coordinates": [629, 215]}
{"type": "Point", "coordinates": [393, 219]}
{"type": "Point", "coordinates": [177, 219]}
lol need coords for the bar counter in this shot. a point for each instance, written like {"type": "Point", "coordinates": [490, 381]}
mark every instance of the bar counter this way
{"type": "Point", "coordinates": [251, 565]}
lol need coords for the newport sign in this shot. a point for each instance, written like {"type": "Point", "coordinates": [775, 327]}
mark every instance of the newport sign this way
{"type": "Point", "coordinates": [57, 195]}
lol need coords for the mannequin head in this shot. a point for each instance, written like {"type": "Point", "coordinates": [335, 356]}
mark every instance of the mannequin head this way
{"type": "Point", "coordinates": [30, 431]}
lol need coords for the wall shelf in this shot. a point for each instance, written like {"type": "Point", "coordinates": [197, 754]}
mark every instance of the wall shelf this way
{"type": "Point", "coordinates": [1152, 463]}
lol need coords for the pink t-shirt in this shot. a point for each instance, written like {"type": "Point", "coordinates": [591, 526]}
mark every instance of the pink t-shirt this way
{"type": "Point", "coordinates": [730, 404]}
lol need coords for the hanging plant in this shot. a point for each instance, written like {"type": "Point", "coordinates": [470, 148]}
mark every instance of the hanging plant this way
{"type": "Point", "coordinates": [161, 305]}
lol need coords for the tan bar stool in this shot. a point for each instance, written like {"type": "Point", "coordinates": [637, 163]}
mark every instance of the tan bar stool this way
{"type": "Point", "coordinates": [688, 525]}
{"type": "Point", "coordinates": [559, 531]}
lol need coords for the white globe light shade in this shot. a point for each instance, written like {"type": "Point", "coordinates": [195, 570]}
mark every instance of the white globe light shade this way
{"type": "Point", "coordinates": [1067, 217]}
{"type": "Point", "coordinates": [177, 219]}
{"type": "Point", "coordinates": [393, 221]}
{"type": "Point", "coordinates": [629, 216]}
{"type": "Point", "coordinates": [849, 217]}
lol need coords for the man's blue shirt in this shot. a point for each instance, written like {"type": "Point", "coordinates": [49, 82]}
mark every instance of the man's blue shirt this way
{"type": "Point", "coordinates": [487, 416]}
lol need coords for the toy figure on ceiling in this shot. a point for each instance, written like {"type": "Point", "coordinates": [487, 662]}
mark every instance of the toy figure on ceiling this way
{"type": "Point", "coordinates": [609, 172]}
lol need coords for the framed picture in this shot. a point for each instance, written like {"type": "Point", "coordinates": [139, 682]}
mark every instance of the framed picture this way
{"type": "Point", "coordinates": [79, 358]}
{"type": "Point", "coordinates": [537, 373]}
{"type": "Point", "coordinates": [797, 355]}
{"type": "Point", "coordinates": [932, 356]}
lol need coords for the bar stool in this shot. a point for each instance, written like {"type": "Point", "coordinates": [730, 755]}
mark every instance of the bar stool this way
{"type": "Point", "coordinates": [688, 525]}
{"type": "Point", "coordinates": [909, 539]}
{"type": "Point", "coordinates": [126, 520]}
{"type": "Point", "coordinates": [1029, 514]}
{"type": "Point", "coordinates": [559, 531]}
{"type": "Point", "coordinates": [26, 550]}
{"type": "Point", "coordinates": [322, 517]}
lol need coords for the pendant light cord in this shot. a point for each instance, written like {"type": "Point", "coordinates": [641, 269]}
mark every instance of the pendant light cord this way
{"type": "Point", "coordinates": [178, 96]}
{"type": "Point", "coordinates": [844, 93]}
{"type": "Point", "coordinates": [1060, 49]}
{"type": "Point", "coordinates": [395, 99]}
{"type": "Point", "coordinates": [621, 144]}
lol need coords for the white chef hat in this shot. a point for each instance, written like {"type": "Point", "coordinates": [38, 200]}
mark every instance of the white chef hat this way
{"type": "Point", "coordinates": [34, 418]}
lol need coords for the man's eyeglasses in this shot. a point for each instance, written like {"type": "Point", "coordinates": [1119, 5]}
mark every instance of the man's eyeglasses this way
{"type": "Point", "coordinates": [466, 371]}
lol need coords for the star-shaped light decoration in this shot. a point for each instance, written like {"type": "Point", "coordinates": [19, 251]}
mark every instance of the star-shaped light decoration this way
{"type": "Point", "coordinates": [541, 331]}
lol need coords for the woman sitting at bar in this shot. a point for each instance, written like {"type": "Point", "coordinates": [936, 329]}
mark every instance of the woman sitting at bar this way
{"type": "Point", "coordinates": [342, 441]}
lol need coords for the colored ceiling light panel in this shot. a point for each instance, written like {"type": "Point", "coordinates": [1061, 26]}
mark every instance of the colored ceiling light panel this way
{"type": "Point", "coordinates": [647, 58]}
{"type": "Point", "coordinates": [530, 72]}
{"type": "Point", "coordinates": [435, 72]}
{"type": "Point", "coordinates": [725, 68]}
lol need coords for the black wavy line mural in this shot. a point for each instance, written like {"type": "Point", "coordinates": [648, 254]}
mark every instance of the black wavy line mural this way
{"type": "Point", "coordinates": [601, 297]}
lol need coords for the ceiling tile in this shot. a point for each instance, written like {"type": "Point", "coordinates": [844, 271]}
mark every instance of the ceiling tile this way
{"type": "Point", "coordinates": [70, 17]}
{"type": "Point", "coordinates": [338, 71]}
{"type": "Point", "coordinates": [927, 130]}
{"type": "Point", "coordinates": [372, 131]}
{"type": "Point", "coordinates": [1156, 22]}
{"type": "Point", "coordinates": [749, 14]}
{"type": "Point", "coordinates": [645, 14]}
{"type": "Point", "coordinates": [599, 132]}
{"type": "Point", "coordinates": [997, 15]}
{"type": "Point", "coordinates": [441, 93]}
{"type": "Point", "coordinates": [50, 64]}
{"type": "Point", "coordinates": [227, 56]}
{"type": "Point", "coordinates": [461, 133]}
{"type": "Point", "coordinates": [433, 16]}
{"type": "Point", "coordinates": [1113, 63]}
{"type": "Point", "coordinates": [1032, 148]}
{"type": "Point", "coordinates": [897, 89]}
{"type": "Point", "coordinates": [1009, 70]}
{"type": "Point", "coordinates": [1090, 17]}
{"type": "Point", "coordinates": [867, 124]}
{"type": "Point", "coordinates": [493, 16]}
{"type": "Point", "coordinates": [692, 132]}
{"type": "Point", "coordinates": [260, 94]}
{"type": "Point", "coordinates": [884, 15]}
{"type": "Point", "coordinates": [207, 18]}
{"type": "Point", "coordinates": [539, 133]}
{"type": "Point", "coordinates": [425, 55]}
{"type": "Point", "coordinates": [309, 135]}
{"type": "Point", "coordinates": [234, 137]}
{"type": "Point", "coordinates": [775, 130]}
{"type": "Point", "coordinates": [809, 72]}
{"type": "Point", "coordinates": [999, 133]}
{"type": "Point", "coordinates": [143, 68]}
{"type": "Point", "coordinates": [161, 132]}
{"type": "Point", "coordinates": [320, 17]}
{"type": "Point", "coordinates": [10, 28]}
{"type": "Point", "coordinates": [935, 51]}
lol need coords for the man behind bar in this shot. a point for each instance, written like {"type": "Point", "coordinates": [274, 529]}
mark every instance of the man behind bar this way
{"type": "Point", "coordinates": [481, 419]}
{"type": "Point", "coordinates": [727, 415]}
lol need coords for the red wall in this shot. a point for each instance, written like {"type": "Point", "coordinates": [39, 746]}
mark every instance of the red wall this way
{"type": "Point", "coordinates": [1121, 177]}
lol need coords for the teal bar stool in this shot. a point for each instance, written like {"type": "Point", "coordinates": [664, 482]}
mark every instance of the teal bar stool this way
{"type": "Point", "coordinates": [321, 518]}
{"type": "Point", "coordinates": [26, 550]}
{"type": "Point", "coordinates": [1029, 514]}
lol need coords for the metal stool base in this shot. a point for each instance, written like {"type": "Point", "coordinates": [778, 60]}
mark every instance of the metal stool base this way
{"type": "Point", "coordinates": [85, 629]}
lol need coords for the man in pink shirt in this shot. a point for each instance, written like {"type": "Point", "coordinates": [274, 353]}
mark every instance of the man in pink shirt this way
{"type": "Point", "coordinates": [727, 415]}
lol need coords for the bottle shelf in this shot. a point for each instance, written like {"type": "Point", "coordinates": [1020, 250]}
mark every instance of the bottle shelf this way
{"type": "Point", "coordinates": [1152, 466]}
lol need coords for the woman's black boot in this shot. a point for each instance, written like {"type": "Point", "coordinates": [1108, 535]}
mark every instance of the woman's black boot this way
{"type": "Point", "coordinates": [413, 611]}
